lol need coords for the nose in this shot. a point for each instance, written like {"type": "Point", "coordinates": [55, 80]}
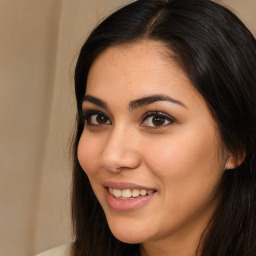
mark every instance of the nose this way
{"type": "Point", "coordinates": [120, 151]}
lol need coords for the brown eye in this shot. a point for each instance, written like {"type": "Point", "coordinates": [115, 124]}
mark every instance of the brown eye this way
{"type": "Point", "coordinates": [157, 119]}
{"type": "Point", "coordinates": [96, 119]}
{"type": "Point", "coordinates": [101, 119]}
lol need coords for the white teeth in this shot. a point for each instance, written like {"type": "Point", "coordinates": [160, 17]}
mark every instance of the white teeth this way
{"type": "Point", "coordinates": [116, 192]}
{"type": "Point", "coordinates": [135, 192]}
{"type": "Point", "coordinates": [143, 192]}
{"type": "Point", "coordinates": [128, 193]}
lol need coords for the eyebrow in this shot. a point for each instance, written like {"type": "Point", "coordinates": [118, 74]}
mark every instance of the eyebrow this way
{"type": "Point", "coordinates": [136, 103]}
{"type": "Point", "coordinates": [153, 98]}
{"type": "Point", "coordinates": [95, 101]}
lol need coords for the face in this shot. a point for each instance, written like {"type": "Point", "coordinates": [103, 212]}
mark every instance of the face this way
{"type": "Point", "coordinates": [150, 147]}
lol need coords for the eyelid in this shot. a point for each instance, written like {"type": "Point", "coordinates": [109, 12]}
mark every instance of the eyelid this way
{"type": "Point", "coordinates": [85, 114]}
{"type": "Point", "coordinates": [158, 113]}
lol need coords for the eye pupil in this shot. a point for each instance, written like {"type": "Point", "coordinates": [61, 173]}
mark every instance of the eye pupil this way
{"type": "Point", "coordinates": [158, 120]}
{"type": "Point", "coordinates": [101, 119]}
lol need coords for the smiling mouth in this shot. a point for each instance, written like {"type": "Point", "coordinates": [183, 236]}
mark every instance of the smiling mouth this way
{"type": "Point", "coordinates": [129, 194]}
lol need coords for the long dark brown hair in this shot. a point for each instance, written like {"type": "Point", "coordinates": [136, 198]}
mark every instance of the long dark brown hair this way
{"type": "Point", "coordinates": [218, 54]}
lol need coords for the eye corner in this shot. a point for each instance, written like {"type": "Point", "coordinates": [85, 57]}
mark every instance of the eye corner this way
{"type": "Point", "coordinates": [82, 115]}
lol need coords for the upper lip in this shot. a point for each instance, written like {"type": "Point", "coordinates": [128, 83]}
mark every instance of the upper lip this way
{"type": "Point", "coordinates": [126, 185]}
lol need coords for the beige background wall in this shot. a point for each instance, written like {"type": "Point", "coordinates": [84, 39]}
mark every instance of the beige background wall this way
{"type": "Point", "coordinates": [39, 43]}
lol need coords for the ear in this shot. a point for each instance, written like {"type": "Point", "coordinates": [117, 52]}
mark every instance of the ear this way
{"type": "Point", "coordinates": [234, 160]}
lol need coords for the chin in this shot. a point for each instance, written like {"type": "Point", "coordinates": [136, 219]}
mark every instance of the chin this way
{"type": "Point", "coordinates": [128, 238]}
{"type": "Point", "coordinates": [128, 232]}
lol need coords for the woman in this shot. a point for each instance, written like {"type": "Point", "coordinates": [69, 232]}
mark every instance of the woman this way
{"type": "Point", "coordinates": [164, 154]}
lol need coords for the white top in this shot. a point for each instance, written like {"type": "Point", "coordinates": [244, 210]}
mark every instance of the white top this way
{"type": "Point", "coordinates": [63, 250]}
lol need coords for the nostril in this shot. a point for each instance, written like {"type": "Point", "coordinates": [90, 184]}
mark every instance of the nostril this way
{"type": "Point", "coordinates": [119, 161]}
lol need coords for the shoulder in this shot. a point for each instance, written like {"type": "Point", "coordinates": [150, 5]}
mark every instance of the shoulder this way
{"type": "Point", "coordinates": [63, 250]}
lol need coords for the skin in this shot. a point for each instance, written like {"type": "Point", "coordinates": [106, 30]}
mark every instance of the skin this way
{"type": "Point", "coordinates": [183, 159]}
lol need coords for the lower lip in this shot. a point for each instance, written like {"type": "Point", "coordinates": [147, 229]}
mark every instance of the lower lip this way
{"type": "Point", "coordinates": [118, 204]}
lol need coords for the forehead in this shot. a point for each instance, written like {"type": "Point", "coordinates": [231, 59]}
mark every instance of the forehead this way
{"type": "Point", "coordinates": [143, 67]}
{"type": "Point", "coordinates": [128, 72]}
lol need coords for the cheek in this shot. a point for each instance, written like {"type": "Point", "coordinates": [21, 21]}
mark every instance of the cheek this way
{"type": "Point", "coordinates": [87, 153]}
{"type": "Point", "coordinates": [188, 174]}
{"type": "Point", "coordinates": [185, 161]}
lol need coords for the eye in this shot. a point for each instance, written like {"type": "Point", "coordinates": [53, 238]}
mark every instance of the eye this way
{"type": "Point", "coordinates": [96, 118]}
{"type": "Point", "coordinates": [156, 119]}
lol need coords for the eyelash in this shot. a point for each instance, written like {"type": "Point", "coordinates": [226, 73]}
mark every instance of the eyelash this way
{"type": "Point", "coordinates": [163, 115]}
{"type": "Point", "coordinates": [86, 116]}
